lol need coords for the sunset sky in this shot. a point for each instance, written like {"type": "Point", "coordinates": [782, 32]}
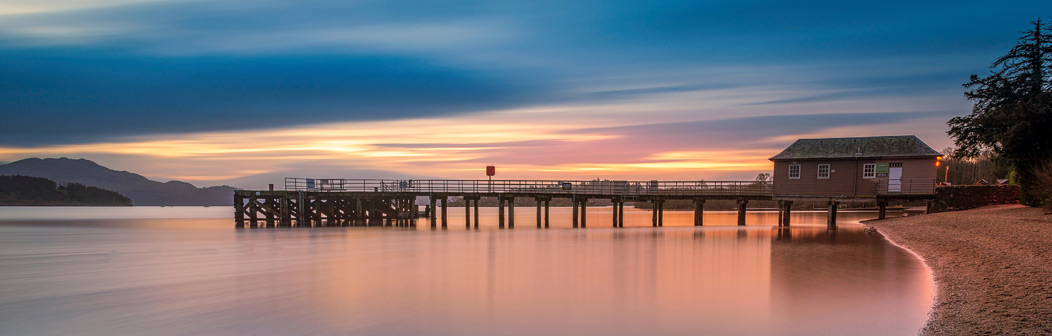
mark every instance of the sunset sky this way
{"type": "Point", "coordinates": [247, 92]}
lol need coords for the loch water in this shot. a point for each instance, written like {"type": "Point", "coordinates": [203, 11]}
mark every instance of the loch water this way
{"type": "Point", "coordinates": [188, 271]}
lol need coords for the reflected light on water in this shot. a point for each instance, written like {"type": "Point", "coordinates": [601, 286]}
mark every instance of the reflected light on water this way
{"type": "Point", "coordinates": [201, 276]}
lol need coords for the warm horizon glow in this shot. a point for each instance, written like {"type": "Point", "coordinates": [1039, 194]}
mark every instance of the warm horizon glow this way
{"type": "Point", "coordinates": [422, 148]}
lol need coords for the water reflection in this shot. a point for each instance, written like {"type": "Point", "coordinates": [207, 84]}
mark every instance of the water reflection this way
{"type": "Point", "coordinates": [200, 276]}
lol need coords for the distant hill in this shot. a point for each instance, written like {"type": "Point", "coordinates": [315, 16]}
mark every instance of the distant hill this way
{"type": "Point", "coordinates": [25, 190]}
{"type": "Point", "coordinates": [141, 190]}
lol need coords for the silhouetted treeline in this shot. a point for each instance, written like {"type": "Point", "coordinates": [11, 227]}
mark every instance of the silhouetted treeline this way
{"type": "Point", "coordinates": [25, 190]}
{"type": "Point", "coordinates": [986, 166]}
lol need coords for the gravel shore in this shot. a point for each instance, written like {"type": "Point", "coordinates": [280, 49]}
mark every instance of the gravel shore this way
{"type": "Point", "coordinates": [992, 268]}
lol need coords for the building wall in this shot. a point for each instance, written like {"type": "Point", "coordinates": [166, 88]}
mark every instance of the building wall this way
{"type": "Point", "coordinates": [845, 177]}
{"type": "Point", "coordinates": [920, 171]}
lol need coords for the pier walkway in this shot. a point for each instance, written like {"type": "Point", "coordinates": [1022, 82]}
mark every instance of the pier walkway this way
{"type": "Point", "coordinates": [339, 202]}
{"type": "Point", "coordinates": [306, 202]}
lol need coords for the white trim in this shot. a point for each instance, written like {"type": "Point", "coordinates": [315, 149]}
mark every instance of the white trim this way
{"type": "Point", "coordinates": [872, 170]}
{"type": "Point", "coordinates": [828, 171]}
{"type": "Point", "coordinates": [797, 166]}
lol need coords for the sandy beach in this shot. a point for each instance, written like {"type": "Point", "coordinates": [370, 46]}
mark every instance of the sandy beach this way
{"type": "Point", "coordinates": [992, 268]}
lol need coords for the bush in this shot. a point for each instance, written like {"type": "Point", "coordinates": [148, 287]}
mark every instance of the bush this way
{"type": "Point", "coordinates": [1042, 185]}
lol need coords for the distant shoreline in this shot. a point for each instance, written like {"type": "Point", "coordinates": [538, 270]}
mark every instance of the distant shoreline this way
{"type": "Point", "coordinates": [990, 267]}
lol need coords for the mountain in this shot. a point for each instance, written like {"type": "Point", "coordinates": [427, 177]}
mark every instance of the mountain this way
{"type": "Point", "coordinates": [141, 190]}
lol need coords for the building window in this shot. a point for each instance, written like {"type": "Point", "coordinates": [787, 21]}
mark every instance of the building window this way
{"type": "Point", "coordinates": [895, 165]}
{"type": "Point", "coordinates": [823, 171]}
{"type": "Point", "coordinates": [794, 171]}
{"type": "Point", "coordinates": [869, 170]}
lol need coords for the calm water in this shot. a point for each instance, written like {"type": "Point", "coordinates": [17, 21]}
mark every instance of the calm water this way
{"type": "Point", "coordinates": [187, 271]}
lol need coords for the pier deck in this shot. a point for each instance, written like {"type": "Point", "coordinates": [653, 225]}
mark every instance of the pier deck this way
{"type": "Point", "coordinates": [351, 202]}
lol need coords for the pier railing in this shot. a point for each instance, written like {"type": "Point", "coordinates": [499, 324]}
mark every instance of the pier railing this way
{"type": "Point", "coordinates": [594, 187]}
{"type": "Point", "coordinates": [906, 187]}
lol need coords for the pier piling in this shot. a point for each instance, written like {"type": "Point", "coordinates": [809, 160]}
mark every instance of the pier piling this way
{"type": "Point", "coordinates": [476, 200]}
{"type": "Point", "coordinates": [742, 203]}
{"type": "Point", "coordinates": [699, 211]}
{"type": "Point", "coordinates": [584, 213]}
{"type": "Point", "coordinates": [661, 212]}
{"type": "Point", "coordinates": [445, 202]}
{"type": "Point", "coordinates": [831, 218]}
{"type": "Point", "coordinates": [575, 213]}
{"type": "Point", "coordinates": [500, 212]}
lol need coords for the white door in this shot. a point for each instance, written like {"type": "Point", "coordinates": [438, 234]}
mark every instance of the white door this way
{"type": "Point", "coordinates": [895, 179]}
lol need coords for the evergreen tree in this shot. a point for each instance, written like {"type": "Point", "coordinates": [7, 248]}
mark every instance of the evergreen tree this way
{"type": "Point", "coordinates": [1012, 110]}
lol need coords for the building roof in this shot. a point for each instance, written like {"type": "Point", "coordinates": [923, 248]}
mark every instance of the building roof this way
{"type": "Point", "coordinates": [850, 148]}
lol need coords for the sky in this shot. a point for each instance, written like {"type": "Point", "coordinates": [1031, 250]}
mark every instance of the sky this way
{"type": "Point", "coordinates": [246, 92]}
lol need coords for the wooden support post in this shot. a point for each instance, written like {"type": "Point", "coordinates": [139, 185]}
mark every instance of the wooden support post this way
{"type": "Point", "coordinates": [445, 202]}
{"type": "Point", "coordinates": [304, 209]}
{"type": "Point", "coordinates": [741, 211]}
{"type": "Point", "coordinates": [476, 213]}
{"type": "Point", "coordinates": [539, 201]}
{"type": "Point", "coordinates": [253, 214]}
{"type": "Point", "coordinates": [467, 213]}
{"type": "Point", "coordinates": [411, 211]}
{"type": "Point", "coordinates": [511, 213]}
{"type": "Point", "coordinates": [831, 218]}
{"type": "Point", "coordinates": [661, 212]}
{"type": "Point", "coordinates": [239, 211]}
{"type": "Point", "coordinates": [621, 213]}
{"type": "Point", "coordinates": [883, 212]}
{"type": "Point", "coordinates": [781, 211]}
{"type": "Point", "coordinates": [268, 210]}
{"type": "Point", "coordinates": [359, 214]}
{"type": "Point", "coordinates": [786, 218]}
{"type": "Point", "coordinates": [613, 211]}
{"type": "Point", "coordinates": [433, 213]}
{"type": "Point", "coordinates": [500, 212]}
{"type": "Point", "coordinates": [339, 211]}
{"type": "Point", "coordinates": [653, 213]}
{"type": "Point", "coordinates": [316, 209]}
{"type": "Point", "coordinates": [327, 206]}
{"type": "Point", "coordinates": [284, 210]}
{"type": "Point", "coordinates": [547, 204]}
{"type": "Point", "coordinates": [575, 213]}
{"type": "Point", "coordinates": [584, 213]}
{"type": "Point", "coordinates": [699, 211]}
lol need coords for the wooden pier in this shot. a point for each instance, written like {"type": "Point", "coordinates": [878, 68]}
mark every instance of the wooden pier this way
{"type": "Point", "coordinates": [307, 202]}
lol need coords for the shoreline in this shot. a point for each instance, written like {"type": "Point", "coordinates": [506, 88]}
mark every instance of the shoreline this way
{"type": "Point", "coordinates": [990, 267]}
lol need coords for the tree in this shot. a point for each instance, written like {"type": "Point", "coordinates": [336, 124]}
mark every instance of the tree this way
{"type": "Point", "coordinates": [763, 177]}
{"type": "Point", "coordinates": [1012, 109]}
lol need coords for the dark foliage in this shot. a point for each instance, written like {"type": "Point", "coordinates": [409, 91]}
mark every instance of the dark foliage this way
{"type": "Point", "coordinates": [965, 171]}
{"type": "Point", "coordinates": [1012, 111]}
{"type": "Point", "coordinates": [29, 188]}
{"type": "Point", "coordinates": [80, 193]}
{"type": "Point", "coordinates": [25, 190]}
{"type": "Point", "coordinates": [1043, 184]}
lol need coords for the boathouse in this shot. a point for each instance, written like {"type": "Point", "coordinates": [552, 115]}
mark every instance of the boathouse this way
{"type": "Point", "coordinates": [855, 169]}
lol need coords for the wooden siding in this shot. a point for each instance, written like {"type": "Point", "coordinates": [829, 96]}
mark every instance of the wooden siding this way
{"type": "Point", "coordinates": [845, 177]}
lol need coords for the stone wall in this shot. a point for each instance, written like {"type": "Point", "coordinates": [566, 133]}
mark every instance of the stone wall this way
{"type": "Point", "coordinates": [953, 198]}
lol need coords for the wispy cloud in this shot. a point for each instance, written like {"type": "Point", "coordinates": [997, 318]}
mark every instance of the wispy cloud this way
{"type": "Point", "coordinates": [457, 147]}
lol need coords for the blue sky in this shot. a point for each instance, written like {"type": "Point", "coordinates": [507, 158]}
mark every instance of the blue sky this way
{"type": "Point", "coordinates": [77, 76]}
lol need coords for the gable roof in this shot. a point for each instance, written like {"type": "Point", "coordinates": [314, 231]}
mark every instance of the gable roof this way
{"type": "Point", "coordinates": [850, 148]}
